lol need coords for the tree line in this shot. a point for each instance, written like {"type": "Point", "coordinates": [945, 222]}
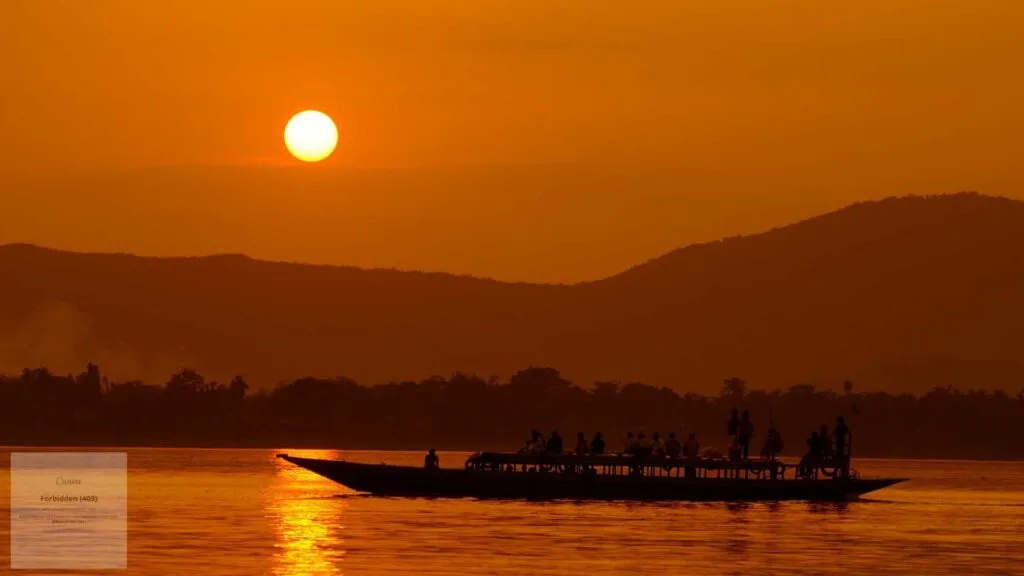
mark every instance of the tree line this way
{"type": "Point", "coordinates": [468, 412]}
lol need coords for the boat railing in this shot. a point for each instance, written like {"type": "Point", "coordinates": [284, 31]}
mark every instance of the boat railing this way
{"type": "Point", "coordinates": [630, 465]}
{"type": "Point", "coordinates": [650, 465]}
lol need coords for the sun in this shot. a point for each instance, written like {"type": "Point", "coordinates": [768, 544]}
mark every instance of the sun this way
{"type": "Point", "coordinates": [311, 136]}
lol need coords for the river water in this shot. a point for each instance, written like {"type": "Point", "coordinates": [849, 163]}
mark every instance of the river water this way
{"type": "Point", "coordinates": [245, 512]}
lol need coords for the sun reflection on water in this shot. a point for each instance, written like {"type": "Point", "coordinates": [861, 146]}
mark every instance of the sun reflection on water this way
{"type": "Point", "coordinates": [307, 520]}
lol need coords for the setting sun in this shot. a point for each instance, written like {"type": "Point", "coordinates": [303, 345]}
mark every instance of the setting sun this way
{"type": "Point", "coordinates": [311, 136]}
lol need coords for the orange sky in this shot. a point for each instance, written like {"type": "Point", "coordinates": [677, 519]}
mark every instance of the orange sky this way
{"type": "Point", "coordinates": [552, 141]}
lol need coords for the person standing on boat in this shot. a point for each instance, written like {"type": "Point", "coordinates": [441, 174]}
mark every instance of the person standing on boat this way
{"type": "Point", "coordinates": [733, 425]}
{"type": "Point", "coordinates": [840, 433]}
{"type": "Point", "coordinates": [773, 443]}
{"type": "Point", "coordinates": [744, 433]}
{"type": "Point", "coordinates": [431, 461]}
{"type": "Point", "coordinates": [554, 443]}
{"type": "Point", "coordinates": [581, 444]}
{"type": "Point", "coordinates": [597, 445]}
{"type": "Point", "coordinates": [691, 449]}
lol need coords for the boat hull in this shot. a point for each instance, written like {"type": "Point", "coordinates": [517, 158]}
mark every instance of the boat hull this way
{"type": "Point", "coordinates": [385, 480]}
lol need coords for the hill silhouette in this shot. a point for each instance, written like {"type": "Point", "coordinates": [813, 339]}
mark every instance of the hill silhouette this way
{"type": "Point", "coordinates": [903, 294]}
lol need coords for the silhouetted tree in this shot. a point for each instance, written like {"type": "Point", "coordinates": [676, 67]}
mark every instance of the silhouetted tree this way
{"type": "Point", "coordinates": [90, 381]}
{"type": "Point", "coordinates": [186, 381]}
{"type": "Point", "coordinates": [466, 411]}
{"type": "Point", "coordinates": [734, 389]}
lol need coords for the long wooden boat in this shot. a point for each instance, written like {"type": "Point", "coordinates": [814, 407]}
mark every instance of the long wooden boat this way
{"type": "Point", "coordinates": [612, 477]}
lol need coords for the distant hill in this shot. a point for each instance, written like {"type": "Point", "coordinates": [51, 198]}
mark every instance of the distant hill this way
{"type": "Point", "coordinates": [902, 294]}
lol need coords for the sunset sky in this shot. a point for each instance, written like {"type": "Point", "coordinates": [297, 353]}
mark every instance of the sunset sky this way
{"type": "Point", "coordinates": [541, 141]}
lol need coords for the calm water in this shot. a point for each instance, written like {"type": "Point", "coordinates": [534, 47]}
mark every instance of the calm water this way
{"type": "Point", "coordinates": [219, 512]}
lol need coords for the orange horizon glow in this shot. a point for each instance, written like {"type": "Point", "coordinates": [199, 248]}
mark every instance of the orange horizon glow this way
{"type": "Point", "coordinates": [567, 142]}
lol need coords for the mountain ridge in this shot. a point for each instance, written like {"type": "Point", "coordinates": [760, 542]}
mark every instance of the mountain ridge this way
{"type": "Point", "coordinates": [900, 294]}
{"type": "Point", "coordinates": [669, 254]}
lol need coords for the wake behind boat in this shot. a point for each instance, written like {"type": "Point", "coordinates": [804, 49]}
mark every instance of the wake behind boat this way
{"type": "Point", "coordinates": [599, 477]}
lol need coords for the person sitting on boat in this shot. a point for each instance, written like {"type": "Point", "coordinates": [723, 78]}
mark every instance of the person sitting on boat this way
{"type": "Point", "coordinates": [691, 448]}
{"type": "Point", "coordinates": [597, 444]}
{"type": "Point", "coordinates": [630, 446]}
{"type": "Point", "coordinates": [813, 457]}
{"type": "Point", "coordinates": [528, 445]}
{"type": "Point", "coordinates": [554, 443]}
{"type": "Point", "coordinates": [643, 446]}
{"type": "Point", "coordinates": [673, 448]}
{"type": "Point", "coordinates": [536, 444]}
{"type": "Point", "coordinates": [581, 444]}
{"type": "Point", "coordinates": [744, 433]}
{"type": "Point", "coordinates": [825, 439]}
{"type": "Point", "coordinates": [657, 445]}
{"type": "Point", "coordinates": [431, 461]}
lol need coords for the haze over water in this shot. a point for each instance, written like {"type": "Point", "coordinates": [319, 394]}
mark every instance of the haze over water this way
{"type": "Point", "coordinates": [246, 512]}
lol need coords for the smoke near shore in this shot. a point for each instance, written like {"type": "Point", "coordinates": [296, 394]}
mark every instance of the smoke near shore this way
{"type": "Point", "coordinates": [61, 338]}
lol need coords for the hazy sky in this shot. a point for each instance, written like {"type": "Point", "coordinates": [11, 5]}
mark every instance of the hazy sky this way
{"type": "Point", "coordinates": [575, 137]}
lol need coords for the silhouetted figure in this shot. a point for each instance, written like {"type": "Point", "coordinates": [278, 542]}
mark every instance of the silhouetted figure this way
{"type": "Point", "coordinates": [826, 442]}
{"type": "Point", "coordinates": [630, 446]}
{"type": "Point", "coordinates": [528, 443]}
{"type": "Point", "coordinates": [581, 444]}
{"type": "Point", "coordinates": [657, 445]}
{"type": "Point", "coordinates": [673, 448]}
{"type": "Point", "coordinates": [540, 445]}
{"type": "Point", "coordinates": [597, 444]}
{"type": "Point", "coordinates": [431, 461]}
{"type": "Point", "coordinates": [691, 449]}
{"type": "Point", "coordinates": [642, 446]}
{"type": "Point", "coordinates": [535, 445]}
{"type": "Point", "coordinates": [554, 443]}
{"type": "Point", "coordinates": [840, 433]}
{"type": "Point", "coordinates": [772, 443]}
{"type": "Point", "coordinates": [813, 457]}
{"type": "Point", "coordinates": [733, 425]}
{"type": "Point", "coordinates": [745, 433]}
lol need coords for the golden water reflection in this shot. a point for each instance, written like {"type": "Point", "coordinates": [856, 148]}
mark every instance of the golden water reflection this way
{"type": "Point", "coordinates": [307, 518]}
